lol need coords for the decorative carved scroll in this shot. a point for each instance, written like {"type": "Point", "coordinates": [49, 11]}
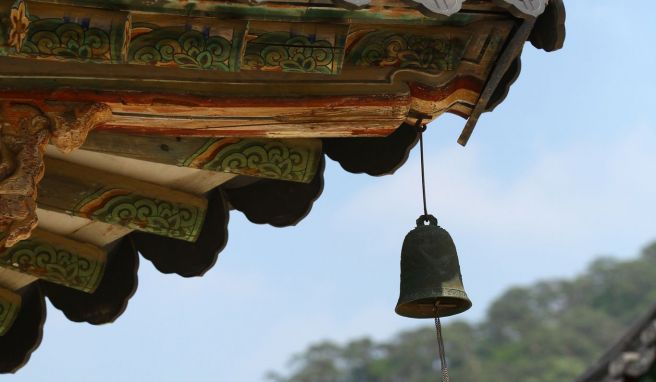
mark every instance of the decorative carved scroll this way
{"type": "Point", "coordinates": [24, 133]}
{"type": "Point", "coordinates": [57, 259]}
{"type": "Point", "coordinates": [549, 31]}
{"type": "Point", "coordinates": [10, 304]}
{"type": "Point", "coordinates": [23, 140]}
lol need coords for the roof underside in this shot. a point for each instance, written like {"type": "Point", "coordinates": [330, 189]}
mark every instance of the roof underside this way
{"type": "Point", "coordinates": [154, 120]}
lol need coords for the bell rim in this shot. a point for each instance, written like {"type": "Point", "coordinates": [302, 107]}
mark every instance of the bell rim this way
{"type": "Point", "coordinates": [409, 300]}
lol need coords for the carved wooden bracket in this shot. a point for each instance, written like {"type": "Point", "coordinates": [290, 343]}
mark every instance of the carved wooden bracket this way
{"type": "Point", "coordinates": [25, 130]}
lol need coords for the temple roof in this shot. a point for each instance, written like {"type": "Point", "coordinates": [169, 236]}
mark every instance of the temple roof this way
{"type": "Point", "coordinates": [136, 128]}
{"type": "Point", "coordinates": [631, 358]}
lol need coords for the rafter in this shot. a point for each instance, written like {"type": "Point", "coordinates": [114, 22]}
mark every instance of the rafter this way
{"type": "Point", "coordinates": [57, 259]}
{"type": "Point", "coordinates": [10, 304]}
{"type": "Point", "coordinates": [109, 198]}
{"type": "Point", "coordinates": [284, 159]}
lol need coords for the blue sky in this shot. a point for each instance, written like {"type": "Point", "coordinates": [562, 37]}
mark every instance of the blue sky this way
{"type": "Point", "coordinates": [560, 173]}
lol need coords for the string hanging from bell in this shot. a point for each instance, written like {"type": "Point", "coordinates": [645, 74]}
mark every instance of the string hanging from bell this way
{"type": "Point", "coordinates": [421, 128]}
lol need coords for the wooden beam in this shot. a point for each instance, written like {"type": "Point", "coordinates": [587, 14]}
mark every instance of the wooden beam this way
{"type": "Point", "coordinates": [25, 335]}
{"type": "Point", "coordinates": [57, 259]}
{"type": "Point", "coordinates": [110, 299]}
{"type": "Point", "coordinates": [10, 304]}
{"type": "Point", "coordinates": [109, 198]}
{"type": "Point", "coordinates": [14, 280]}
{"type": "Point", "coordinates": [284, 159]}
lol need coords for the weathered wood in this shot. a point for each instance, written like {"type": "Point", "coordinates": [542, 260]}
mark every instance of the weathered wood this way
{"type": "Point", "coordinates": [274, 202]}
{"type": "Point", "coordinates": [109, 198]}
{"type": "Point", "coordinates": [10, 304]}
{"type": "Point", "coordinates": [264, 118]}
{"type": "Point", "coordinates": [184, 258]}
{"type": "Point", "coordinates": [17, 345]}
{"type": "Point", "coordinates": [57, 259]}
{"type": "Point", "coordinates": [110, 299]}
{"type": "Point", "coordinates": [26, 129]}
{"type": "Point", "coordinates": [292, 160]}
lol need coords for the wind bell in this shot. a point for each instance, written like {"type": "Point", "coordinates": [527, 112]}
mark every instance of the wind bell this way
{"type": "Point", "coordinates": [431, 282]}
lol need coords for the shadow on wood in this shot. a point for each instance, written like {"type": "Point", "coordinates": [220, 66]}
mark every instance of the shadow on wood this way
{"type": "Point", "coordinates": [17, 345]}
{"type": "Point", "coordinates": [275, 202]}
{"type": "Point", "coordinates": [373, 156]}
{"type": "Point", "coordinates": [185, 258]}
{"type": "Point", "coordinates": [111, 297]}
{"type": "Point", "coordinates": [549, 31]}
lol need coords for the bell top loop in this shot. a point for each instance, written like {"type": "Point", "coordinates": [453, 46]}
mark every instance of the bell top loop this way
{"type": "Point", "coordinates": [432, 220]}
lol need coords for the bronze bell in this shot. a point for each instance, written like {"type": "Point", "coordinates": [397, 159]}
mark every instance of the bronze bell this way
{"type": "Point", "coordinates": [431, 283]}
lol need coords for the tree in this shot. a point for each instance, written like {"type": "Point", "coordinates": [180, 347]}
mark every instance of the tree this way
{"type": "Point", "coordinates": [547, 332]}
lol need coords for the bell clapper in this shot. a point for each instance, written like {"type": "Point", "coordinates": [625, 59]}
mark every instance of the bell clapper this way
{"type": "Point", "coordinates": [440, 343]}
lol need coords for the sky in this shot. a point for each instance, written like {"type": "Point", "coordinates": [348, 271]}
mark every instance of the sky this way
{"type": "Point", "coordinates": [559, 174]}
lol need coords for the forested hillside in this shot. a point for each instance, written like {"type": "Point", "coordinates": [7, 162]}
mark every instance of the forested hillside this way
{"type": "Point", "coordinates": [547, 332]}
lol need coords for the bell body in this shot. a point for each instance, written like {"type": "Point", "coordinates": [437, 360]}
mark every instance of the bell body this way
{"type": "Point", "coordinates": [431, 283]}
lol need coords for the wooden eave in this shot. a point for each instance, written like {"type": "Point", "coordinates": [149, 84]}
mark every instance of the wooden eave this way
{"type": "Point", "coordinates": [132, 129]}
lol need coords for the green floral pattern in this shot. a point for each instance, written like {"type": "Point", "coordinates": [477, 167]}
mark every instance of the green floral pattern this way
{"type": "Point", "coordinates": [280, 51]}
{"type": "Point", "coordinates": [178, 221]}
{"type": "Point", "coordinates": [189, 49]}
{"type": "Point", "coordinates": [57, 265]}
{"type": "Point", "coordinates": [430, 54]}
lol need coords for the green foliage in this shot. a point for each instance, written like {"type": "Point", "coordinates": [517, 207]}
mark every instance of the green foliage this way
{"type": "Point", "coordinates": [548, 332]}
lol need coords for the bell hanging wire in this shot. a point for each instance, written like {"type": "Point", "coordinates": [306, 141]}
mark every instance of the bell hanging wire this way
{"type": "Point", "coordinates": [438, 324]}
{"type": "Point", "coordinates": [431, 282]}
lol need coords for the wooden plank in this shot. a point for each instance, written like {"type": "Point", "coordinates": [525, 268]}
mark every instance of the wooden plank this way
{"type": "Point", "coordinates": [291, 159]}
{"type": "Point", "coordinates": [10, 304]}
{"type": "Point", "coordinates": [185, 179]}
{"type": "Point", "coordinates": [102, 234]}
{"type": "Point", "coordinates": [109, 198]}
{"type": "Point", "coordinates": [57, 259]}
{"type": "Point", "coordinates": [81, 229]}
{"type": "Point", "coordinates": [14, 280]}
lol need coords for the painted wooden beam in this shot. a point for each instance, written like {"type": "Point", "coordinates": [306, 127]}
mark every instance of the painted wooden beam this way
{"type": "Point", "coordinates": [17, 345]}
{"type": "Point", "coordinates": [294, 160]}
{"type": "Point", "coordinates": [57, 259]}
{"type": "Point", "coordinates": [109, 198]}
{"type": "Point", "coordinates": [111, 297]}
{"type": "Point", "coordinates": [190, 259]}
{"type": "Point", "coordinates": [10, 304]}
